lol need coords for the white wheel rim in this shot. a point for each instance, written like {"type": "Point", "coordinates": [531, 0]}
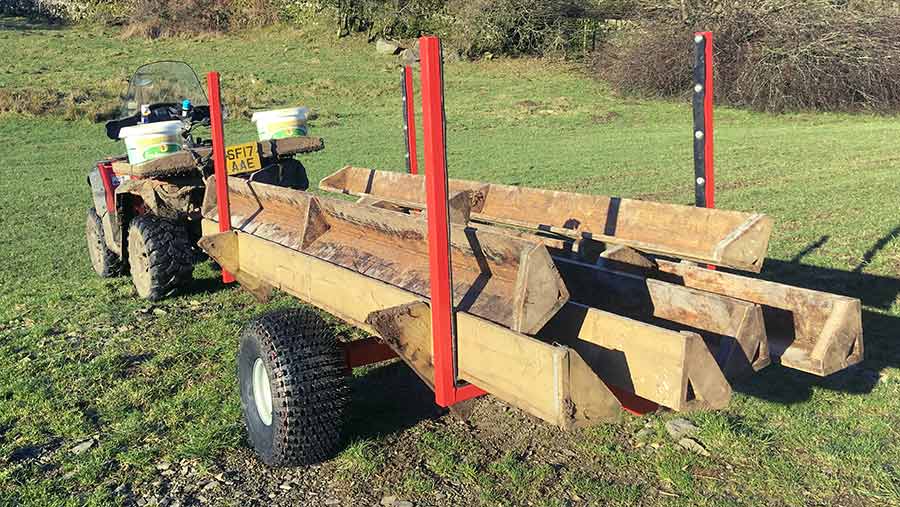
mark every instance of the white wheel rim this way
{"type": "Point", "coordinates": [262, 392]}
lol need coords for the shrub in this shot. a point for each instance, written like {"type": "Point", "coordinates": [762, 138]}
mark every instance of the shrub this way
{"type": "Point", "coordinates": [104, 11]}
{"type": "Point", "coordinates": [158, 18]}
{"type": "Point", "coordinates": [771, 55]}
{"type": "Point", "coordinates": [521, 26]}
{"type": "Point", "coordinates": [512, 27]}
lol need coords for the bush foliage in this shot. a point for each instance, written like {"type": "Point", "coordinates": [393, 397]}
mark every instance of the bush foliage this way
{"type": "Point", "coordinates": [772, 55]}
{"type": "Point", "coordinates": [474, 27]}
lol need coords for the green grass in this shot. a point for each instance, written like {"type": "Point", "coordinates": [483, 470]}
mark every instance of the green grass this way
{"type": "Point", "coordinates": [81, 358]}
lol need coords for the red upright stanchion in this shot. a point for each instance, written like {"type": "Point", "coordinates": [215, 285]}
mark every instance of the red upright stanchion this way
{"type": "Point", "coordinates": [409, 119]}
{"type": "Point", "coordinates": [218, 140]}
{"type": "Point", "coordinates": [446, 390]}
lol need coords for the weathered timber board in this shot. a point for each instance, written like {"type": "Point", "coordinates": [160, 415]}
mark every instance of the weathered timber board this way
{"type": "Point", "coordinates": [811, 331]}
{"type": "Point", "coordinates": [673, 369]}
{"type": "Point", "coordinates": [732, 328]}
{"type": "Point", "coordinates": [725, 238]}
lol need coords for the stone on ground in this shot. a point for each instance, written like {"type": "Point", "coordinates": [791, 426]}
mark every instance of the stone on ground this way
{"type": "Point", "coordinates": [680, 428]}
{"type": "Point", "coordinates": [693, 446]}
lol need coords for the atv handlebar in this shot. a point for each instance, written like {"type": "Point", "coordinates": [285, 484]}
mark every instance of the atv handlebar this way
{"type": "Point", "coordinates": [199, 115]}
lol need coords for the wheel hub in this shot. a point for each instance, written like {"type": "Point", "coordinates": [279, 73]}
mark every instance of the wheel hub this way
{"type": "Point", "coordinates": [262, 392]}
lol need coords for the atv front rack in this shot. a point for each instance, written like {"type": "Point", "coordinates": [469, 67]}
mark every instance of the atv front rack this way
{"type": "Point", "coordinates": [187, 160]}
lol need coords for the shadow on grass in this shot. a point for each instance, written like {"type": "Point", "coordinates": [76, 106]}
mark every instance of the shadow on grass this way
{"type": "Point", "coordinates": [204, 286]}
{"type": "Point", "coordinates": [881, 330]}
{"type": "Point", "coordinates": [388, 399]}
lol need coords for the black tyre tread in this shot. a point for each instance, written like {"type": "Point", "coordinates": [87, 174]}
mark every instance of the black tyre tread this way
{"type": "Point", "coordinates": [112, 263]}
{"type": "Point", "coordinates": [169, 252]}
{"type": "Point", "coordinates": [310, 392]}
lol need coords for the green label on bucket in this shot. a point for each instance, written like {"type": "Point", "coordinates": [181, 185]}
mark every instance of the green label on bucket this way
{"type": "Point", "coordinates": [160, 150]}
{"type": "Point", "coordinates": [289, 132]}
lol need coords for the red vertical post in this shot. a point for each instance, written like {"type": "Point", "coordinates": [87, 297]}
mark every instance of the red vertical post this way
{"type": "Point", "coordinates": [409, 119]}
{"type": "Point", "coordinates": [708, 115]}
{"type": "Point", "coordinates": [446, 391]}
{"type": "Point", "coordinates": [218, 140]}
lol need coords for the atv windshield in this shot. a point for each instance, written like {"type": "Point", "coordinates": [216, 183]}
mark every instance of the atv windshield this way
{"type": "Point", "coordinates": [163, 83]}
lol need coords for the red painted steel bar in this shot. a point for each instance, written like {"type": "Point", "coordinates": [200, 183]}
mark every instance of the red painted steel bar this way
{"type": "Point", "coordinates": [366, 351]}
{"type": "Point", "coordinates": [632, 403]}
{"type": "Point", "coordinates": [106, 173]}
{"type": "Point", "coordinates": [708, 125]}
{"type": "Point", "coordinates": [218, 140]}
{"type": "Point", "coordinates": [409, 124]}
{"type": "Point", "coordinates": [446, 391]}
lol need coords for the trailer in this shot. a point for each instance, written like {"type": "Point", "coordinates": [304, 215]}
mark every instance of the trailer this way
{"type": "Point", "coordinates": [574, 308]}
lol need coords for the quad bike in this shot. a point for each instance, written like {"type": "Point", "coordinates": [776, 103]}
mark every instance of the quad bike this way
{"type": "Point", "coordinates": [145, 217]}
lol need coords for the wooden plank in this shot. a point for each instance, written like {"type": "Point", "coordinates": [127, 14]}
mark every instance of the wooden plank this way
{"type": "Point", "coordinates": [513, 367]}
{"type": "Point", "coordinates": [725, 238]}
{"type": "Point", "coordinates": [732, 328]}
{"type": "Point", "coordinates": [507, 280]}
{"type": "Point", "coordinates": [407, 329]}
{"type": "Point", "coordinates": [547, 381]}
{"type": "Point", "coordinates": [186, 160]}
{"type": "Point", "coordinates": [673, 369]}
{"type": "Point", "coordinates": [590, 400]}
{"type": "Point", "coordinates": [224, 248]}
{"type": "Point", "coordinates": [807, 330]}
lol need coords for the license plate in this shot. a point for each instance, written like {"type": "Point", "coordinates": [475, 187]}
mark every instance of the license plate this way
{"type": "Point", "coordinates": [242, 158]}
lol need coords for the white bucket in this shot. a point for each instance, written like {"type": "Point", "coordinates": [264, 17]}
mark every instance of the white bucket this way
{"type": "Point", "coordinates": [281, 123]}
{"type": "Point", "coordinates": [146, 141]}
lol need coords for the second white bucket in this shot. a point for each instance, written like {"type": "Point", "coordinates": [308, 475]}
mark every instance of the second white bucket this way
{"type": "Point", "coordinates": [281, 123]}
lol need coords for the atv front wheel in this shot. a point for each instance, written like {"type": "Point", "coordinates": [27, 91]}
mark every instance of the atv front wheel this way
{"type": "Point", "coordinates": [293, 387]}
{"type": "Point", "coordinates": [104, 261]}
{"type": "Point", "coordinates": [160, 256]}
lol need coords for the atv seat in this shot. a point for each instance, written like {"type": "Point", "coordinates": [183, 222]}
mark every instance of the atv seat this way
{"type": "Point", "coordinates": [188, 160]}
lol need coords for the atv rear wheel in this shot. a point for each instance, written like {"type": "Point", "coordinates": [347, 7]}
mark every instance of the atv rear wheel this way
{"type": "Point", "coordinates": [160, 255]}
{"type": "Point", "coordinates": [104, 261]}
{"type": "Point", "coordinates": [294, 388]}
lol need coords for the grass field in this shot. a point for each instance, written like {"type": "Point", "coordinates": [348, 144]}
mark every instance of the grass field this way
{"type": "Point", "coordinates": [103, 396]}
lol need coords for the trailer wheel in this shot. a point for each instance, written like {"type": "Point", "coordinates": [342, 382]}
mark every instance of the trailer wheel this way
{"type": "Point", "coordinates": [104, 261]}
{"type": "Point", "coordinates": [294, 390]}
{"type": "Point", "coordinates": [160, 255]}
